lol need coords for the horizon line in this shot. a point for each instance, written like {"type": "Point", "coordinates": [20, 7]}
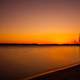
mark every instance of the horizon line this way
{"type": "Point", "coordinates": [14, 44]}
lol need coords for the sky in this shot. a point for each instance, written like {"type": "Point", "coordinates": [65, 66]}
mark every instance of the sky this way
{"type": "Point", "coordinates": [39, 21]}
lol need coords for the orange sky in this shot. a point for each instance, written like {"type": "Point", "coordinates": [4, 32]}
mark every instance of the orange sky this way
{"type": "Point", "coordinates": [41, 39]}
{"type": "Point", "coordinates": [39, 21]}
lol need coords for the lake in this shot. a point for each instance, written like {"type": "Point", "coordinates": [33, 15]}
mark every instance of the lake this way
{"type": "Point", "coordinates": [26, 61]}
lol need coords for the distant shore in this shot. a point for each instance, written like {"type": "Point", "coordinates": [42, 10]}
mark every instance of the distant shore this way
{"type": "Point", "coordinates": [12, 44]}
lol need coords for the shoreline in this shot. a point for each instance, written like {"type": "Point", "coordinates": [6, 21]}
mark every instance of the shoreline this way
{"type": "Point", "coordinates": [39, 44]}
{"type": "Point", "coordinates": [58, 74]}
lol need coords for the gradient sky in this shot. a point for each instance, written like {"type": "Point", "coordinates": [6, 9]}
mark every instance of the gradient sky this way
{"type": "Point", "coordinates": [39, 21]}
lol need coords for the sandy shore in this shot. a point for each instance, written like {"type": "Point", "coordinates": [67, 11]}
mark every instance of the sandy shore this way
{"type": "Point", "coordinates": [72, 73]}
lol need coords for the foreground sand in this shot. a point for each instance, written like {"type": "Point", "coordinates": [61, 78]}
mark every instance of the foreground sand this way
{"type": "Point", "coordinates": [72, 73]}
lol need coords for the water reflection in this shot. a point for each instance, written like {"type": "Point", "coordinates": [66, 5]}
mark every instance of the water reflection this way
{"type": "Point", "coordinates": [27, 61]}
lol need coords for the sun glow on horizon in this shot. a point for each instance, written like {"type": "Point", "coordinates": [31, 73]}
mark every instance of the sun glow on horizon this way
{"type": "Point", "coordinates": [39, 39]}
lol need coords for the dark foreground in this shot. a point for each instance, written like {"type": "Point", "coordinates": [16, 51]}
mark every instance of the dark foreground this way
{"type": "Point", "coordinates": [72, 73]}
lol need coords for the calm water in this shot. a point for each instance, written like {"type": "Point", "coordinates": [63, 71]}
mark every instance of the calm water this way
{"type": "Point", "coordinates": [28, 61]}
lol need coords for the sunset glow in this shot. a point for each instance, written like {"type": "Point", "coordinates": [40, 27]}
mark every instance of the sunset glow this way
{"type": "Point", "coordinates": [42, 39]}
{"type": "Point", "coordinates": [39, 21]}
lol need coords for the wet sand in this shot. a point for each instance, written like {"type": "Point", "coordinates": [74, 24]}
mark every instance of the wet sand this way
{"type": "Point", "coordinates": [72, 73]}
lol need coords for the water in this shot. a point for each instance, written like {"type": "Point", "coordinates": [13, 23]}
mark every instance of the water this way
{"type": "Point", "coordinates": [27, 61]}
